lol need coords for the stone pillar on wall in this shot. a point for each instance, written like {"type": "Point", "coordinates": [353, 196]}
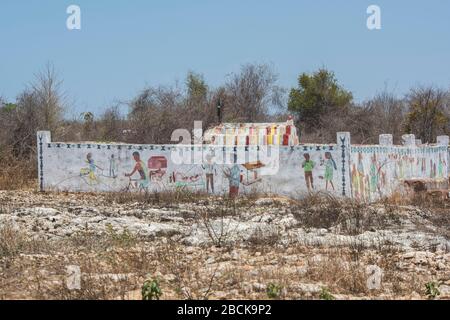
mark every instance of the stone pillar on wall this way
{"type": "Point", "coordinates": [409, 140]}
{"type": "Point", "coordinates": [343, 146]}
{"type": "Point", "coordinates": [386, 140]}
{"type": "Point", "coordinates": [443, 140]}
{"type": "Point", "coordinates": [43, 138]}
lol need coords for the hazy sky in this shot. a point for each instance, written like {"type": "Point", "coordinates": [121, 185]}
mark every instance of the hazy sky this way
{"type": "Point", "coordinates": [125, 45]}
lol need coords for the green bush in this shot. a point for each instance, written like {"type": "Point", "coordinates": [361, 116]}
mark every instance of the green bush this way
{"type": "Point", "coordinates": [151, 290]}
{"type": "Point", "coordinates": [325, 294]}
{"type": "Point", "coordinates": [273, 291]}
{"type": "Point", "coordinates": [432, 290]}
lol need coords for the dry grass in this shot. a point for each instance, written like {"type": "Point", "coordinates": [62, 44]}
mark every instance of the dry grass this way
{"type": "Point", "coordinates": [166, 198]}
{"type": "Point", "coordinates": [436, 210]}
{"type": "Point", "coordinates": [16, 173]}
{"type": "Point", "coordinates": [346, 216]}
{"type": "Point", "coordinates": [114, 264]}
{"type": "Point", "coordinates": [14, 242]}
{"type": "Point", "coordinates": [118, 272]}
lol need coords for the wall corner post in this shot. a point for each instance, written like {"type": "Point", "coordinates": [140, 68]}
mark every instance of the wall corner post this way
{"type": "Point", "coordinates": [43, 139]}
{"type": "Point", "coordinates": [344, 147]}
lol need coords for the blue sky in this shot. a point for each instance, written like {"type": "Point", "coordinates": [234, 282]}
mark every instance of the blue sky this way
{"type": "Point", "coordinates": [125, 45]}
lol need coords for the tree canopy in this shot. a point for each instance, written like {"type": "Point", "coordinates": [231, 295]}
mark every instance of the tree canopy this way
{"type": "Point", "coordinates": [316, 94]}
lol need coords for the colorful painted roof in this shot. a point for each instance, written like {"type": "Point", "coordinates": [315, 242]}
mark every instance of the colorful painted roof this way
{"type": "Point", "coordinates": [241, 134]}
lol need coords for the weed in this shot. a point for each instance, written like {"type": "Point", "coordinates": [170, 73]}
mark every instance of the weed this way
{"type": "Point", "coordinates": [432, 290]}
{"type": "Point", "coordinates": [151, 290]}
{"type": "Point", "coordinates": [325, 294]}
{"type": "Point", "coordinates": [273, 291]}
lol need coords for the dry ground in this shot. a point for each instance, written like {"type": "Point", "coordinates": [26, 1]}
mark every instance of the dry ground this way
{"type": "Point", "coordinates": [192, 254]}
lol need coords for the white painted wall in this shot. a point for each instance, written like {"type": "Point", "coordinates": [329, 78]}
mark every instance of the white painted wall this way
{"type": "Point", "coordinates": [65, 166]}
{"type": "Point", "coordinates": [378, 171]}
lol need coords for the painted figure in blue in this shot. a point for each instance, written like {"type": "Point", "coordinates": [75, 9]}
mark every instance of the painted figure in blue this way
{"type": "Point", "coordinates": [90, 170]}
{"type": "Point", "coordinates": [234, 178]}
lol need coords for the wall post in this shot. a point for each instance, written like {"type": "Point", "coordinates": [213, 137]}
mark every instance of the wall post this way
{"type": "Point", "coordinates": [409, 140]}
{"type": "Point", "coordinates": [386, 140]}
{"type": "Point", "coordinates": [443, 140]}
{"type": "Point", "coordinates": [344, 148]}
{"type": "Point", "coordinates": [43, 138]}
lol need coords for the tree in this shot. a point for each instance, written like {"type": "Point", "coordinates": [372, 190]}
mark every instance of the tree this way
{"type": "Point", "coordinates": [6, 106]}
{"type": "Point", "coordinates": [155, 113]}
{"type": "Point", "coordinates": [316, 95]}
{"type": "Point", "coordinates": [25, 120]}
{"type": "Point", "coordinates": [252, 94]}
{"type": "Point", "coordinates": [196, 86]}
{"type": "Point", "coordinates": [387, 114]}
{"type": "Point", "coordinates": [111, 124]}
{"type": "Point", "coordinates": [47, 90]}
{"type": "Point", "coordinates": [428, 112]}
{"type": "Point", "coordinates": [38, 107]}
{"type": "Point", "coordinates": [198, 101]}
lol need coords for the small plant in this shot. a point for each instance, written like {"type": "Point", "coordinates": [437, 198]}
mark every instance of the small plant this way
{"type": "Point", "coordinates": [432, 290]}
{"type": "Point", "coordinates": [273, 291]}
{"type": "Point", "coordinates": [151, 290]}
{"type": "Point", "coordinates": [325, 294]}
{"type": "Point", "coordinates": [122, 239]}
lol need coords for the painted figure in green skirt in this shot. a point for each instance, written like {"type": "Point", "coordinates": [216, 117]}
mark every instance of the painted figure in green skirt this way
{"type": "Point", "coordinates": [374, 175]}
{"type": "Point", "coordinates": [330, 166]}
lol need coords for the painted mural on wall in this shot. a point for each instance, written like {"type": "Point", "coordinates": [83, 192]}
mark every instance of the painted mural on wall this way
{"type": "Point", "coordinates": [365, 172]}
{"type": "Point", "coordinates": [448, 163]}
{"type": "Point", "coordinates": [378, 171]}
{"type": "Point", "coordinates": [150, 168]}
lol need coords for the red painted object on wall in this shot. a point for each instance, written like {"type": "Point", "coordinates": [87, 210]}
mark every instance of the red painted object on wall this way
{"type": "Point", "coordinates": [285, 139]}
{"type": "Point", "coordinates": [288, 130]}
{"type": "Point", "coordinates": [157, 166]}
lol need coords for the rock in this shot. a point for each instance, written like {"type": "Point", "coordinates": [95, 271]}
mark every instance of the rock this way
{"type": "Point", "coordinates": [170, 277]}
{"type": "Point", "coordinates": [421, 258]}
{"type": "Point", "coordinates": [210, 260]}
{"type": "Point", "coordinates": [38, 212]}
{"type": "Point", "coordinates": [259, 287]}
{"type": "Point", "coordinates": [317, 258]}
{"type": "Point", "coordinates": [441, 266]}
{"type": "Point", "coordinates": [287, 222]}
{"type": "Point", "coordinates": [409, 255]}
{"type": "Point", "coordinates": [444, 290]}
{"type": "Point", "coordinates": [264, 202]}
{"type": "Point", "coordinates": [228, 230]}
{"type": "Point", "coordinates": [311, 288]}
{"type": "Point", "coordinates": [165, 229]}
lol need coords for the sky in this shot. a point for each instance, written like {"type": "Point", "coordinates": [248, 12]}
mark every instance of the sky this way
{"type": "Point", "coordinates": [126, 45]}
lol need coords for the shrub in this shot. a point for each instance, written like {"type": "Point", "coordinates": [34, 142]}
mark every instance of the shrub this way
{"type": "Point", "coordinates": [151, 290]}
{"type": "Point", "coordinates": [325, 294]}
{"type": "Point", "coordinates": [432, 290]}
{"type": "Point", "coordinates": [273, 291]}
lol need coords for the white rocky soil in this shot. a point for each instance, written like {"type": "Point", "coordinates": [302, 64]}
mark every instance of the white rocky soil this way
{"type": "Point", "coordinates": [420, 246]}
